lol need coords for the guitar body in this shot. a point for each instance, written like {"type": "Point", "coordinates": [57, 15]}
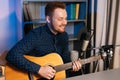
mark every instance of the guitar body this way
{"type": "Point", "coordinates": [50, 59]}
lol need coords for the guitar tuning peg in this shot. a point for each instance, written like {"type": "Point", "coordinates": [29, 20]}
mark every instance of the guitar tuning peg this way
{"type": "Point", "coordinates": [103, 54]}
{"type": "Point", "coordinates": [111, 52]}
{"type": "Point", "coordinates": [108, 51]}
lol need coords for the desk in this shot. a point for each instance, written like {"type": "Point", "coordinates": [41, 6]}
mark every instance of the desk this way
{"type": "Point", "coordinates": [113, 74]}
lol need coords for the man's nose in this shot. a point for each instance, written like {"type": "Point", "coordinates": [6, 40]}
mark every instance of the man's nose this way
{"type": "Point", "coordinates": [64, 22]}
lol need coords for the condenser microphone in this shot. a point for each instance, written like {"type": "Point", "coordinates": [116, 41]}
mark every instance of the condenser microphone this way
{"type": "Point", "coordinates": [74, 54]}
{"type": "Point", "coordinates": [85, 43]}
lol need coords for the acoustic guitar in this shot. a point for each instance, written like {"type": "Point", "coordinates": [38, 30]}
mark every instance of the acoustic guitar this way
{"type": "Point", "coordinates": [52, 59]}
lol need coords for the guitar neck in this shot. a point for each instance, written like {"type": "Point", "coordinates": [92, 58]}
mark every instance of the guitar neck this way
{"type": "Point", "coordinates": [69, 65]}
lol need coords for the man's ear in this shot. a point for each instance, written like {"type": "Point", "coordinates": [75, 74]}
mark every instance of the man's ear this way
{"type": "Point", "coordinates": [48, 19]}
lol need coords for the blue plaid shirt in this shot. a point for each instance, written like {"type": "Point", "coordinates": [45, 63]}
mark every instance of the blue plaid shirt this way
{"type": "Point", "coordinates": [38, 42]}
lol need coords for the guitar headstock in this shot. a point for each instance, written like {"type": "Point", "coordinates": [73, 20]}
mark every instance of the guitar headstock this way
{"type": "Point", "coordinates": [106, 51]}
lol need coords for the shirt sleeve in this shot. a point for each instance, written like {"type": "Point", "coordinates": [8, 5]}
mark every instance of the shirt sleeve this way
{"type": "Point", "coordinates": [16, 55]}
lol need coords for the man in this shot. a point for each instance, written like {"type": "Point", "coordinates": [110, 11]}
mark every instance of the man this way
{"type": "Point", "coordinates": [42, 41]}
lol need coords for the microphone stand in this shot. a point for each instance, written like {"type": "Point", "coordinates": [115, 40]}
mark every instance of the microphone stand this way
{"type": "Point", "coordinates": [96, 66]}
{"type": "Point", "coordinates": [83, 56]}
{"type": "Point", "coordinates": [103, 56]}
{"type": "Point", "coordinates": [107, 54]}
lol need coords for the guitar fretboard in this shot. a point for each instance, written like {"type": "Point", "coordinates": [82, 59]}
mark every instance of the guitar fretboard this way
{"type": "Point", "coordinates": [91, 59]}
{"type": "Point", "coordinates": [69, 65]}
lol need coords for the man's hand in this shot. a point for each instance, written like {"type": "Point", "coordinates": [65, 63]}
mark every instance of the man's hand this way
{"type": "Point", "coordinates": [76, 65]}
{"type": "Point", "coordinates": [47, 72]}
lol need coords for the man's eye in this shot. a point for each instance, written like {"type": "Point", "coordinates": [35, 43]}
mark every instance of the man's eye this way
{"type": "Point", "coordinates": [60, 19]}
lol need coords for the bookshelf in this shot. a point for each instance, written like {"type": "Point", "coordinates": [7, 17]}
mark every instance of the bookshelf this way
{"type": "Point", "coordinates": [33, 13]}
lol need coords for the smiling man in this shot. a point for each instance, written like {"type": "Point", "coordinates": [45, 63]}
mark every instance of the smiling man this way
{"type": "Point", "coordinates": [41, 41]}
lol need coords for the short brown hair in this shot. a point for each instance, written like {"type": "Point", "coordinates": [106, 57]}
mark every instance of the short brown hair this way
{"type": "Point", "coordinates": [51, 6]}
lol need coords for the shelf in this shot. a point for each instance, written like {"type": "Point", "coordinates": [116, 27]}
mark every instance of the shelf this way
{"type": "Point", "coordinates": [73, 25]}
{"type": "Point", "coordinates": [72, 37]}
{"type": "Point", "coordinates": [55, 0]}
{"type": "Point", "coordinates": [35, 22]}
{"type": "Point", "coordinates": [43, 21]}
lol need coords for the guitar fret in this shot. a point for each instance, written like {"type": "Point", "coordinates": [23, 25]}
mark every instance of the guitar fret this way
{"type": "Point", "coordinates": [91, 59]}
{"type": "Point", "coordinates": [69, 65]}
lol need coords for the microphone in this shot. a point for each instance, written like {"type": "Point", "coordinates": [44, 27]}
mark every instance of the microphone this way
{"type": "Point", "coordinates": [74, 54]}
{"type": "Point", "coordinates": [85, 43]}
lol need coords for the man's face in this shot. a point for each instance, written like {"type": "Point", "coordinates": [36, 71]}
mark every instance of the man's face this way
{"type": "Point", "coordinates": [58, 20]}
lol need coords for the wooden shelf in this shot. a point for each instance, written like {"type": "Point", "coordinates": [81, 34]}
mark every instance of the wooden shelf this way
{"type": "Point", "coordinates": [72, 37]}
{"type": "Point", "coordinates": [73, 25]}
{"type": "Point", "coordinates": [43, 21]}
{"type": "Point", "coordinates": [54, 0]}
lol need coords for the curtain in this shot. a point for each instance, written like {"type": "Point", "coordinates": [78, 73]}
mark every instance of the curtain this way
{"type": "Point", "coordinates": [10, 23]}
{"type": "Point", "coordinates": [105, 21]}
{"type": "Point", "coordinates": [115, 25]}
